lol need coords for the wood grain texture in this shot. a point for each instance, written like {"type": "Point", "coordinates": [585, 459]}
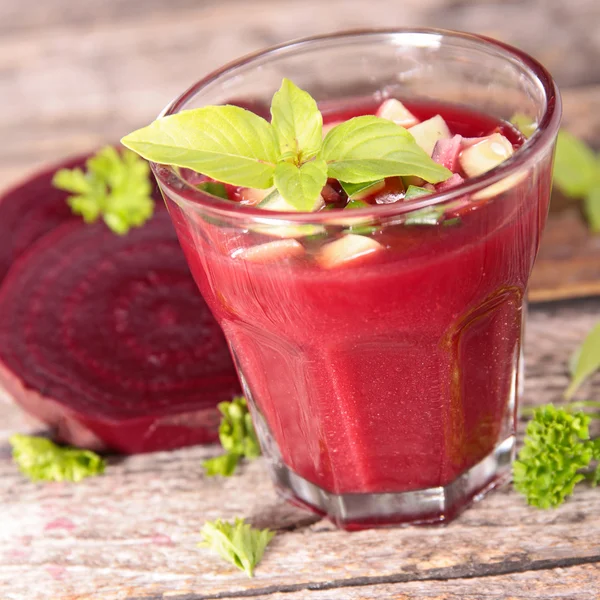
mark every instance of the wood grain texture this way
{"type": "Point", "coordinates": [133, 533]}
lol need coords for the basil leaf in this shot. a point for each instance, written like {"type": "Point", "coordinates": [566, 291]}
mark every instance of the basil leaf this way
{"type": "Point", "coordinates": [297, 122]}
{"type": "Point", "coordinates": [368, 148]}
{"type": "Point", "coordinates": [226, 143]}
{"type": "Point", "coordinates": [301, 186]}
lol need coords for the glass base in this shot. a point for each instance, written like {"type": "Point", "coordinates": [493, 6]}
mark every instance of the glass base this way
{"type": "Point", "coordinates": [427, 506]}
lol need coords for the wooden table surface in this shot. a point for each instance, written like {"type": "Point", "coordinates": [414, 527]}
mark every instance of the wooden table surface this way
{"type": "Point", "coordinates": [75, 75]}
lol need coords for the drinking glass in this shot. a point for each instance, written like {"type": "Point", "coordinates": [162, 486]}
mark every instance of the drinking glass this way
{"type": "Point", "coordinates": [383, 390]}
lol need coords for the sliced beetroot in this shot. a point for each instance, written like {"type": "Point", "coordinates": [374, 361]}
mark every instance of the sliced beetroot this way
{"type": "Point", "coordinates": [447, 151]}
{"type": "Point", "coordinates": [29, 211]}
{"type": "Point", "coordinates": [106, 338]}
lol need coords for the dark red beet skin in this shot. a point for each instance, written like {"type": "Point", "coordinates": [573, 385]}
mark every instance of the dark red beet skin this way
{"type": "Point", "coordinates": [107, 339]}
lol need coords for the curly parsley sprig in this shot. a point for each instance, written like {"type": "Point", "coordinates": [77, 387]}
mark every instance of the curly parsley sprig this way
{"type": "Point", "coordinates": [115, 186]}
{"type": "Point", "coordinates": [237, 436]}
{"type": "Point", "coordinates": [557, 453]}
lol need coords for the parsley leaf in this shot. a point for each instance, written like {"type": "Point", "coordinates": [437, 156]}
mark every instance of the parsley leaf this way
{"type": "Point", "coordinates": [237, 542]}
{"type": "Point", "coordinates": [115, 186]}
{"type": "Point", "coordinates": [585, 361]}
{"type": "Point", "coordinates": [576, 168]}
{"type": "Point", "coordinates": [591, 207]}
{"type": "Point", "coordinates": [237, 436]}
{"type": "Point", "coordinates": [41, 460]}
{"type": "Point", "coordinates": [557, 448]}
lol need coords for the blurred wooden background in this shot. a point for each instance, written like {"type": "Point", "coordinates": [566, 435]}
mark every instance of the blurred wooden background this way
{"type": "Point", "coordinates": [76, 74]}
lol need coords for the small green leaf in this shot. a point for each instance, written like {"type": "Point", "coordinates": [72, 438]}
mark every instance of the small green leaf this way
{"type": "Point", "coordinates": [214, 188]}
{"type": "Point", "coordinates": [576, 170]}
{"type": "Point", "coordinates": [355, 189]}
{"type": "Point", "coordinates": [526, 125]}
{"type": "Point", "coordinates": [115, 186]}
{"type": "Point", "coordinates": [301, 186]}
{"type": "Point", "coordinates": [430, 215]}
{"type": "Point", "coordinates": [238, 543]}
{"type": "Point", "coordinates": [355, 204]}
{"type": "Point", "coordinates": [237, 436]}
{"type": "Point", "coordinates": [368, 148]}
{"type": "Point", "coordinates": [223, 465]}
{"type": "Point", "coordinates": [41, 460]}
{"type": "Point", "coordinates": [591, 207]}
{"type": "Point", "coordinates": [588, 361]}
{"type": "Point", "coordinates": [297, 122]}
{"type": "Point", "coordinates": [227, 143]}
{"type": "Point", "coordinates": [414, 191]}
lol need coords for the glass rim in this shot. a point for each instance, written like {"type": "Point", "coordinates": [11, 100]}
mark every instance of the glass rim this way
{"type": "Point", "coordinates": [524, 158]}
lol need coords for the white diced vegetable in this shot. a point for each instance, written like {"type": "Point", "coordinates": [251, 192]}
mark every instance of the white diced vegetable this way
{"type": "Point", "coordinates": [346, 249]}
{"type": "Point", "coordinates": [427, 133]}
{"type": "Point", "coordinates": [252, 196]}
{"type": "Point", "coordinates": [272, 251]}
{"type": "Point", "coordinates": [485, 155]}
{"type": "Point", "coordinates": [275, 201]}
{"type": "Point", "coordinates": [394, 110]}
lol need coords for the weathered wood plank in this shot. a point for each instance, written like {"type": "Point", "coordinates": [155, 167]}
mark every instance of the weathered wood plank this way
{"type": "Point", "coordinates": [133, 533]}
{"type": "Point", "coordinates": [575, 583]}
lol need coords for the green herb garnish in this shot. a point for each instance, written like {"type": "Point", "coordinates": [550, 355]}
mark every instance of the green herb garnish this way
{"type": "Point", "coordinates": [115, 186]}
{"type": "Point", "coordinates": [557, 449]}
{"type": "Point", "coordinates": [214, 188]}
{"type": "Point", "coordinates": [585, 361]}
{"type": "Point", "coordinates": [238, 543]}
{"type": "Point", "coordinates": [576, 169]}
{"type": "Point", "coordinates": [41, 460]}
{"type": "Point", "coordinates": [356, 189]}
{"type": "Point", "coordinates": [577, 174]}
{"type": "Point", "coordinates": [526, 125]}
{"type": "Point", "coordinates": [237, 436]}
{"type": "Point", "coordinates": [235, 146]}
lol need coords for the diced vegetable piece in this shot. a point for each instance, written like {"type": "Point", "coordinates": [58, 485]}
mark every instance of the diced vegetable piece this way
{"type": "Point", "coordinates": [360, 191]}
{"type": "Point", "coordinates": [273, 251]}
{"type": "Point", "coordinates": [427, 133]}
{"type": "Point", "coordinates": [446, 152]}
{"type": "Point", "coordinates": [253, 197]}
{"type": "Point", "coordinates": [412, 180]}
{"type": "Point", "coordinates": [354, 204]}
{"type": "Point", "coordinates": [485, 155]}
{"type": "Point", "coordinates": [347, 249]}
{"type": "Point", "coordinates": [392, 192]}
{"type": "Point", "coordinates": [414, 191]}
{"type": "Point", "coordinates": [275, 201]}
{"type": "Point", "coordinates": [394, 110]}
{"type": "Point", "coordinates": [455, 180]}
